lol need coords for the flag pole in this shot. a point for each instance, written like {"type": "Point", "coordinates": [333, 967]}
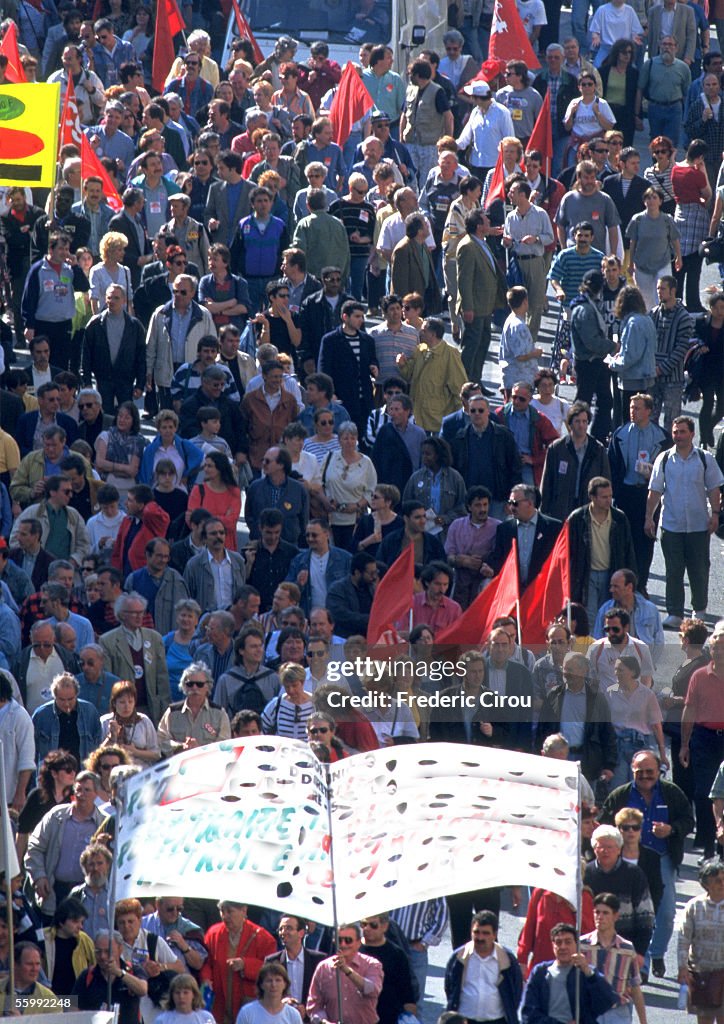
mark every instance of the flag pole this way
{"type": "Point", "coordinates": [7, 855]}
{"type": "Point", "coordinates": [333, 885]}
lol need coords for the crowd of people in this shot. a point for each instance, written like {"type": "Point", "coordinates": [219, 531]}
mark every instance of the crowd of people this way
{"type": "Point", "coordinates": [299, 330]}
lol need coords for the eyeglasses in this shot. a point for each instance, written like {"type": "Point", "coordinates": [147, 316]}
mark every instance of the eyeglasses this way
{"type": "Point", "coordinates": [514, 504]}
{"type": "Point", "coordinates": [66, 490]}
{"type": "Point", "coordinates": [201, 163]}
{"type": "Point", "coordinates": [373, 925]}
{"type": "Point", "coordinates": [315, 730]}
{"type": "Point", "coordinates": [282, 295]}
{"type": "Point", "coordinates": [333, 278]}
{"type": "Point", "coordinates": [346, 940]}
{"type": "Point", "coordinates": [192, 64]}
{"type": "Point", "coordinates": [478, 412]}
{"type": "Point", "coordinates": [198, 683]}
{"type": "Point", "coordinates": [87, 405]}
{"type": "Point", "coordinates": [325, 423]}
{"type": "Point", "coordinates": [630, 828]}
{"type": "Point", "coordinates": [602, 152]}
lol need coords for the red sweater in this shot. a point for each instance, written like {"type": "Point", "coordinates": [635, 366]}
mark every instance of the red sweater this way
{"type": "Point", "coordinates": [154, 523]}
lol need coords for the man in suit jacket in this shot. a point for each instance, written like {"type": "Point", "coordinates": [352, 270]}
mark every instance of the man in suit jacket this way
{"type": "Point", "coordinates": [291, 931]}
{"type": "Point", "coordinates": [485, 452]}
{"type": "Point", "coordinates": [510, 726]}
{"type": "Point", "coordinates": [214, 591]}
{"type": "Point", "coordinates": [138, 251]}
{"type": "Point", "coordinates": [120, 375]}
{"type": "Point", "coordinates": [317, 316]}
{"type": "Point", "coordinates": [29, 547]}
{"type": "Point", "coordinates": [351, 374]}
{"type": "Point", "coordinates": [391, 454]}
{"type": "Point", "coordinates": [481, 289]}
{"type": "Point", "coordinates": [48, 412]}
{"type": "Point", "coordinates": [683, 29]}
{"type": "Point", "coordinates": [134, 652]}
{"type": "Point", "coordinates": [220, 223]}
{"type": "Point", "coordinates": [535, 533]}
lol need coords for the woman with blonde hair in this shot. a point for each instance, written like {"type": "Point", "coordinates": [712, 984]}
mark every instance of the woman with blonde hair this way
{"type": "Point", "coordinates": [110, 270]}
{"type": "Point", "coordinates": [287, 713]}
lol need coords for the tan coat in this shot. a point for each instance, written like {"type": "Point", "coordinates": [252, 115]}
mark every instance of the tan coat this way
{"type": "Point", "coordinates": [480, 288]}
{"type": "Point", "coordinates": [436, 376]}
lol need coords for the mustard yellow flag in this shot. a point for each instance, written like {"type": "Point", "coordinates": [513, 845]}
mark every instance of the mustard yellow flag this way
{"type": "Point", "coordinates": [29, 120]}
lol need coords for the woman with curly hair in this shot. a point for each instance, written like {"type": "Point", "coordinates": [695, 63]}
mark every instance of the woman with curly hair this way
{"type": "Point", "coordinates": [101, 762]}
{"type": "Point", "coordinates": [55, 785]}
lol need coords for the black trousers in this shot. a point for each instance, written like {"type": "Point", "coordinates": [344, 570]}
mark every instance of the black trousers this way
{"type": "Point", "coordinates": [594, 378]}
{"type": "Point", "coordinates": [59, 336]}
{"type": "Point", "coordinates": [462, 906]}
{"type": "Point", "coordinates": [631, 500]}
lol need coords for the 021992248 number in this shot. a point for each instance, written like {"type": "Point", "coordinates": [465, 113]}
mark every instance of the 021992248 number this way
{"type": "Point", "coordinates": [39, 1003]}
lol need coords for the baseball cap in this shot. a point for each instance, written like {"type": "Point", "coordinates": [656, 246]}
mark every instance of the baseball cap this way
{"type": "Point", "coordinates": [477, 89]}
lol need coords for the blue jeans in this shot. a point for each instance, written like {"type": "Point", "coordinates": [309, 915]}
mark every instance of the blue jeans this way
{"type": "Point", "coordinates": [628, 742]}
{"type": "Point", "coordinates": [665, 120]}
{"type": "Point", "coordinates": [597, 591]}
{"type": "Point", "coordinates": [357, 275]}
{"type": "Point", "coordinates": [473, 36]}
{"type": "Point", "coordinates": [559, 151]}
{"type": "Point", "coordinates": [579, 24]}
{"type": "Point", "coordinates": [664, 925]}
{"type": "Point", "coordinates": [418, 963]}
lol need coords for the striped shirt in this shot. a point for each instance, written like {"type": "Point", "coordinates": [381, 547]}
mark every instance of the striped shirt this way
{"type": "Point", "coordinates": [569, 266]}
{"type": "Point", "coordinates": [617, 962]}
{"type": "Point", "coordinates": [283, 718]}
{"type": "Point", "coordinates": [321, 449]}
{"type": "Point", "coordinates": [422, 922]}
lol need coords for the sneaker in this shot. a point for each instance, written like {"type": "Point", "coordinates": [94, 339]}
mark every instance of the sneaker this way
{"type": "Point", "coordinates": [658, 967]}
{"type": "Point", "coordinates": [672, 622]}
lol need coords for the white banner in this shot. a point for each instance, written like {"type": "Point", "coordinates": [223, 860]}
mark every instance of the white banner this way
{"type": "Point", "coordinates": [249, 820]}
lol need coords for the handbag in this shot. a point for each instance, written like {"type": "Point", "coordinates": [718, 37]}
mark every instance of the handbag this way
{"type": "Point", "coordinates": [706, 988]}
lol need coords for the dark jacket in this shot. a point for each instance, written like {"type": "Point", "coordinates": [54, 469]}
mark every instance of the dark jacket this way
{"type": "Point", "coordinates": [621, 547]}
{"type": "Point", "coordinates": [507, 465]}
{"type": "Point", "coordinates": [268, 569]}
{"type": "Point", "coordinates": [391, 547]}
{"type": "Point", "coordinates": [391, 457]}
{"type": "Point", "coordinates": [317, 318]}
{"type": "Point", "coordinates": [546, 532]}
{"type": "Point", "coordinates": [599, 744]}
{"type": "Point", "coordinates": [312, 958]}
{"type": "Point", "coordinates": [40, 569]}
{"type": "Point", "coordinates": [130, 364]}
{"type": "Point", "coordinates": [589, 337]}
{"type": "Point", "coordinates": [127, 226]}
{"type": "Point", "coordinates": [294, 507]}
{"type": "Point", "coordinates": [559, 496]}
{"type": "Point", "coordinates": [567, 91]}
{"type": "Point", "coordinates": [680, 815]}
{"type": "Point", "coordinates": [25, 429]}
{"type": "Point", "coordinates": [352, 382]}
{"type": "Point", "coordinates": [628, 882]}
{"type": "Point", "coordinates": [616, 454]}
{"type": "Point", "coordinates": [510, 985]}
{"type": "Point", "coordinates": [408, 273]}
{"type": "Point", "coordinates": [349, 606]}
{"type": "Point", "coordinates": [233, 427]}
{"type": "Point", "coordinates": [596, 996]}
{"type": "Point", "coordinates": [18, 240]}
{"type": "Point", "coordinates": [629, 204]}
{"type": "Point", "coordinates": [75, 225]}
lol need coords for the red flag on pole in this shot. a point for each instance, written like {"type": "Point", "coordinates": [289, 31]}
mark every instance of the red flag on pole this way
{"type": "Point", "coordinates": [508, 37]}
{"type": "Point", "coordinates": [14, 72]}
{"type": "Point", "coordinates": [168, 24]}
{"type": "Point", "coordinates": [497, 182]}
{"type": "Point", "coordinates": [548, 593]}
{"type": "Point", "coordinates": [498, 599]}
{"type": "Point", "coordinates": [393, 597]}
{"type": "Point", "coordinates": [71, 133]}
{"type": "Point", "coordinates": [92, 167]}
{"type": "Point", "coordinates": [245, 31]}
{"type": "Point", "coordinates": [542, 135]}
{"type": "Point", "coordinates": [351, 102]}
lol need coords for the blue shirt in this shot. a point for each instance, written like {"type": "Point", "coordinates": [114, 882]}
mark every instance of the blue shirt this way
{"type": "Point", "coordinates": [645, 621]}
{"type": "Point", "coordinates": [180, 324]}
{"type": "Point", "coordinates": [654, 811]}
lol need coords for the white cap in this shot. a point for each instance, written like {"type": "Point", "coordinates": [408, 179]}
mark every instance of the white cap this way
{"type": "Point", "coordinates": [477, 89]}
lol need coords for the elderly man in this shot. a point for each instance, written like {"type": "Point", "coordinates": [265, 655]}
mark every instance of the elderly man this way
{"type": "Point", "coordinates": [277, 490]}
{"type": "Point", "coordinates": [126, 986]}
{"type": "Point", "coordinates": [218, 651]}
{"type": "Point", "coordinates": [351, 974]}
{"type": "Point", "coordinates": [161, 586]}
{"type": "Point", "coordinates": [173, 336]}
{"type": "Point", "coordinates": [39, 663]}
{"type": "Point", "coordinates": [182, 935]}
{"type": "Point", "coordinates": [51, 863]}
{"type": "Point", "coordinates": [135, 652]}
{"type": "Point", "coordinates": [535, 533]}
{"type": "Point", "coordinates": [96, 862]}
{"type": "Point", "coordinates": [668, 820]}
{"type": "Point", "coordinates": [66, 721]}
{"type": "Point", "coordinates": [92, 421]}
{"type": "Point", "coordinates": [610, 873]}
{"type": "Point", "coordinates": [114, 352]}
{"type": "Point", "coordinates": [95, 683]}
{"type": "Point", "coordinates": [581, 714]}
{"type": "Point", "coordinates": [194, 721]}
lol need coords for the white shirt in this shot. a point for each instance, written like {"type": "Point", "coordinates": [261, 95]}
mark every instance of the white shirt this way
{"type": "Point", "coordinates": [612, 23]}
{"type": "Point", "coordinates": [485, 131]}
{"type": "Point", "coordinates": [480, 998]}
{"type": "Point", "coordinates": [221, 571]}
{"type": "Point", "coordinates": [295, 970]}
{"type": "Point", "coordinates": [317, 579]}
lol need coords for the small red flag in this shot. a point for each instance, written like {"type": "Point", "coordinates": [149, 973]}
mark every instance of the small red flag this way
{"type": "Point", "coordinates": [497, 182]}
{"type": "Point", "coordinates": [14, 72]}
{"type": "Point", "coordinates": [499, 598]}
{"type": "Point", "coordinates": [542, 135]}
{"type": "Point", "coordinates": [508, 37]}
{"type": "Point", "coordinates": [71, 133]}
{"type": "Point", "coordinates": [168, 24]}
{"type": "Point", "coordinates": [351, 102]}
{"type": "Point", "coordinates": [245, 31]}
{"type": "Point", "coordinates": [92, 167]}
{"type": "Point", "coordinates": [393, 597]}
{"type": "Point", "coordinates": [548, 593]}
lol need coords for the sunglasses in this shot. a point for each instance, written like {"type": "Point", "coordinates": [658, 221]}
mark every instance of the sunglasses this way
{"type": "Point", "coordinates": [346, 940]}
{"type": "Point", "coordinates": [514, 504]}
{"type": "Point", "coordinates": [333, 279]}
{"type": "Point", "coordinates": [373, 925]}
{"type": "Point", "coordinates": [106, 767]}
{"type": "Point", "coordinates": [630, 828]}
{"type": "Point", "coordinates": [612, 629]}
{"type": "Point", "coordinates": [198, 683]}
{"type": "Point", "coordinates": [325, 423]}
{"type": "Point", "coordinates": [316, 730]}
{"type": "Point", "coordinates": [180, 291]}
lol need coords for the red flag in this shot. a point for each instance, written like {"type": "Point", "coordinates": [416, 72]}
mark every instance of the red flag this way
{"type": "Point", "coordinates": [498, 599]}
{"type": "Point", "coordinates": [393, 597]}
{"type": "Point", "coordinates": [71, 133]}
{"type": "Point", "coordinates": [351, 102]}
{"type": "Point", "coordinates": [548, 593]}
{"type": "Point", "coordinates": [245, 31]}
{"type": "Point", "coordinates": [168, 24]}
{"type": "Point", "coordinates": [508, 37]}
{"type": "Point", "coordinates": [92, 167]}
{"type": "Point", "coordinates": [542, 135]}
{"type": "Point", "coordinates": [497, 182]}
{"type": "Point", "coordinates": [14, 72]}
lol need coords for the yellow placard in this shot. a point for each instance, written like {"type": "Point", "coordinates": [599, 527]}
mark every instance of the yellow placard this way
{"type": "Point", "coordinates": [29, 119]}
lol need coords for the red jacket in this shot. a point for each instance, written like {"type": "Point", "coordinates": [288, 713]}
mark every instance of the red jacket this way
{"type": "Point", "coordinates": [255, 945]}
{"type": "Point", "coordinates": [541, 434]}
{"type": "Point", "coordinates": [154, 523]}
